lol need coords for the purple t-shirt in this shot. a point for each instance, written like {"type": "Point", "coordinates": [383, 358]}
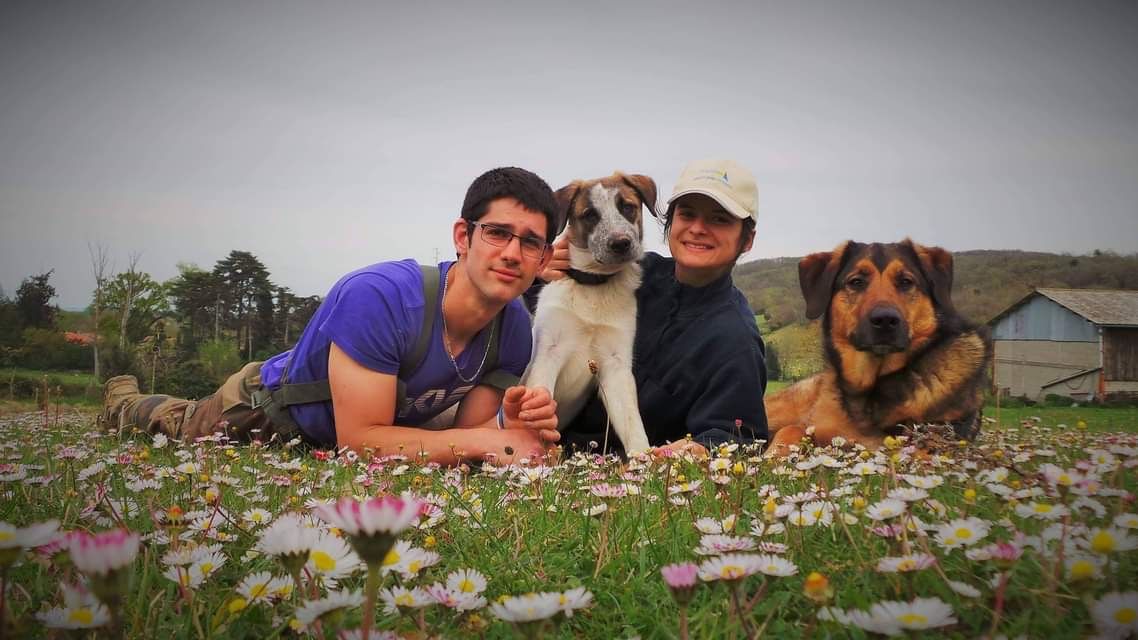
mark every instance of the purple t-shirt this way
{"type": "Point", "coordinates": [374, 315]}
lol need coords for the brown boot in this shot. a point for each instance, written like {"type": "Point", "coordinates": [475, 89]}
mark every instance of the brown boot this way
{"type": "Point", "coordinates": [116, 392]}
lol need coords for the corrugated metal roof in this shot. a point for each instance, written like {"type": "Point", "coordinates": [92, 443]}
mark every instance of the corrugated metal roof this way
{"type": "Point", "coordinates": [1112, 307]}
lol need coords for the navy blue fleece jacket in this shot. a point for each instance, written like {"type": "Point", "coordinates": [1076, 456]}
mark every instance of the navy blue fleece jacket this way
{"type": "Point", "coordinates": [698, 364]}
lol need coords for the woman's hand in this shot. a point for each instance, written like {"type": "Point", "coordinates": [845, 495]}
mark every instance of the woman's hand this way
{"type": "Point", "coordinates": [555, 270]}
{"type": "Point", "coordinates": [680, 447]}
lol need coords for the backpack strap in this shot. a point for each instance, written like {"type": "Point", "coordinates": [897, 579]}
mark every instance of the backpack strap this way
{"type": "Point", "coordinates": [414, 360]}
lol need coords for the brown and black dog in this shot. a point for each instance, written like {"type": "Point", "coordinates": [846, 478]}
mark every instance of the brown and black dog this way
{"type": "Point", "coordinates": [896, 352]}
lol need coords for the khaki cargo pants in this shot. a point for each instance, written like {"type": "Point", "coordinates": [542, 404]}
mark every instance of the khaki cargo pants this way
{"type": "Point", "coordinates": [228, 410]}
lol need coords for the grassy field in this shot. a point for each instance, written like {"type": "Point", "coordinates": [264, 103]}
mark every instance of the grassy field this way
{"type": "Point", "coordinates": [826, 543]}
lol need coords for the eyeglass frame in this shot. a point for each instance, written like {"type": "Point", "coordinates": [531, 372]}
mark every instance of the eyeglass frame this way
{"type": "Point", "coordinates": [521, 239]}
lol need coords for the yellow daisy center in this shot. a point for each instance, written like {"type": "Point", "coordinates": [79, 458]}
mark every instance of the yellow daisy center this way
{"type": "Point", "coordinates": [1103, 542]}
{"type": "Point", "coordinates": [391, 558]}
{"type": "Point", "coordinates": [906, 565]}
{"type": "Point", "coordinates": [731, 572]}
{"type": "Point", "coordinates": [207, 568]}
{"type": "Point", "coordinates": [912, 619]}
{"type": "Point", "coordinates": [963, 533]}
{"type": "Point", "coordinates": [404, 600]}
{"type": "Point", "coordinates": [466, 586]}
{"type": "Point", "coordinates": [6, 536]}
{"type": "Point", "coordinates": [82, 616]}
{"type": "Point", "coordinates": [1081, 570]}
{"type": "Point", "coordinates": [1043, 508]}
{"type": "Point", "coordinates": [1125, 615]}
{"type": "Point", "coordinates": [323, 561]}
{"type": "Point", "coordinates": [258, 590]}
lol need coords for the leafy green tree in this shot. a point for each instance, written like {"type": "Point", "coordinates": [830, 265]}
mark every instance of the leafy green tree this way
{"type": "Point", "coordinates": [135, 301]}
{"type": "Point", "coordinates": [197, 298]}
{"type": "Point", "coordinates": [33, 300]}
{"type": "Point", "coordinates": [246, 289]}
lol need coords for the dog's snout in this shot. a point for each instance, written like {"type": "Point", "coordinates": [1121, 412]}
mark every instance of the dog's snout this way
{"type": "Point", "coordinates": [620, 245]}
{"type": "Point", "coordinates": [885, 318]}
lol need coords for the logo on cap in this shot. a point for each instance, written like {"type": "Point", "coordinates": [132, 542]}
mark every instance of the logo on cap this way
{"type": "Point", "coordinates": [712, 174]}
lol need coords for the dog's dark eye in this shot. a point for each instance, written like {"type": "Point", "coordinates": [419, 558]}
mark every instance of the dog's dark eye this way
{"type": "Point", "coordinates": [627, 209]}
{"type": "Point", "coordinates": [904, 283]}
{"type": "Point", "coordinates": [589, 215]}
{"type": "Point", "coordinates": [857, 283]}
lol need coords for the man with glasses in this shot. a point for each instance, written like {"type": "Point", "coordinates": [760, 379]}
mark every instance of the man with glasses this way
{"type": "Point", "coordinates": [396, 344]}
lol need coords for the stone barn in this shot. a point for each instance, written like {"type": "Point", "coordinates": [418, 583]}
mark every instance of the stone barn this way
{"type": "Point", "coordinates": [1077, 343]}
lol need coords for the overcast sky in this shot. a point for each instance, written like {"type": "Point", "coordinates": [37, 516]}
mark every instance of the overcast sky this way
{"type": "Point", "coordinates": [326, 136]}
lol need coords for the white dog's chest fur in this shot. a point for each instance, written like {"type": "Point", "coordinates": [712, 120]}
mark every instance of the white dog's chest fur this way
{"type": "Point", "coordinates": [576, 323]}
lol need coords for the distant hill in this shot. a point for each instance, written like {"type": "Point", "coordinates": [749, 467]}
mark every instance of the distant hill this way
{"type": "Point", "coordinates": [985, 283]}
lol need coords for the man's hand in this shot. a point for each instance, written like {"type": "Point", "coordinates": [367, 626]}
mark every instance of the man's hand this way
{"type": "Point", "coordinates": [555, 270]}
{"type": "Point", "coordinates": [531, 408]}
{"type": "Point", "coordinates": [514, 445]}
{"type": "Point", "coordinates": [680, 447]}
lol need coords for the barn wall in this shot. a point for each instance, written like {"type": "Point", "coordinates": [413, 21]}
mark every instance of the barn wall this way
{"type": "Point", "coordinates": [1120, 354]}
{"type": "Point", "coordinates": [1081, 388]}
{"type": "Point", "coordinates": [1024, 366]}
{"type": "Point", "coordinates": [1042, 319]}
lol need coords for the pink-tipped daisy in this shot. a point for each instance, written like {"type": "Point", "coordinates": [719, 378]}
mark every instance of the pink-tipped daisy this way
{"type": "Point", "coordinates": [104, 552]}
{"type": "Point", "coordinates": [372, 524]}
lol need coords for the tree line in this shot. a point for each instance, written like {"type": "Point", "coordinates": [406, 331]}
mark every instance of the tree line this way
{"type": "Point", "coordinates": [180, 336]}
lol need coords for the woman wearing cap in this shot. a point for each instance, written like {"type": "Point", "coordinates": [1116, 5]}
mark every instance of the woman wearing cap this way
{"type": "Point", "coordinates": [698, 357]}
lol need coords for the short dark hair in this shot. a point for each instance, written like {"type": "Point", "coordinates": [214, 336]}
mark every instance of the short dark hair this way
{"type": "Point", "coordinates": [511, 182]}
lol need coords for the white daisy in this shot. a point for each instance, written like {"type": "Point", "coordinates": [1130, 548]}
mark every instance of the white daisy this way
{"type": "Point", "coordinates": [527, 608]}
{"type": "Point", "coordinates": [730, 567]}
{"type": "Point", "coordinates": [1041, 510]}
{"type": "Point", "coordinates": [1116, 614]}
{"type": "Point", "coordinates": [466, 581]}
{"type": "Point", "coordinates": [961, 532]}
{"type": "Point", "coordinates": [1111, 540]}
{"type": "Point", "coordinates": [401, 598]}
{"type": "Point", "coordinates": [905, 563]}
{"type": "Point", "coordinates": [964, 589]}
{"type": "Point", "coordinates": [921, 613]}
{"type": "Point", "coordinates": [332, 558]}
{"type": "Point", "coordinates": [574, 599]}
{"type": "Point", "coordinates": [313, 610]}
{"type": "Point", "coordinates": [80, 610]}
{"type": "Point", "coordinates": [713, 545]}
{"type": "Point", "coordinates": [884, 510]}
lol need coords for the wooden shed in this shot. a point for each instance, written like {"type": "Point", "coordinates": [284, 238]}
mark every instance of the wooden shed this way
{"type": "Point", "coordinates": [1077, 343]}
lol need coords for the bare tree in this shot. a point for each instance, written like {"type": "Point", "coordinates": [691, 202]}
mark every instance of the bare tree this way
{"type": "Point", "coordinates": [98, 254]}
{"type": "Point", "coordinates": [131, 293]}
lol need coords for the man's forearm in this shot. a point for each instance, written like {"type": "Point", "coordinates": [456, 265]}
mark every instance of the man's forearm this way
{"type": "Point", "coordinates": [445, 447]}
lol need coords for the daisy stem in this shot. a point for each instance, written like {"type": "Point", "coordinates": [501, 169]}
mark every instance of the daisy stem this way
{"type": "Point", "coordinates": [3, 599]}
{"type": "Point", "coordinates": [735, 589]}
{"type": "Point", "coordinates": [371, 591]}
{"type": "Point", "coordinates": [683, 622]}
{"type": "Point", "coordinates": [998, 609]}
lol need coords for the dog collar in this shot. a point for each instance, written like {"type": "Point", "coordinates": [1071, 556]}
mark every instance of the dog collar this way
{"type": "Point", "coordinates": [584, 277]}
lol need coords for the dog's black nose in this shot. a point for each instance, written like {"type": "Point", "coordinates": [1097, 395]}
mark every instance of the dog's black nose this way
{"type": "Point", "coordinates": [620, 245]}
{"type": "Point", "coordinates": [885, 318]}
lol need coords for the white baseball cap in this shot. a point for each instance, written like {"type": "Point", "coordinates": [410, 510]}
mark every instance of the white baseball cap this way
{"type": "Point", "coordinates": [725, 181]}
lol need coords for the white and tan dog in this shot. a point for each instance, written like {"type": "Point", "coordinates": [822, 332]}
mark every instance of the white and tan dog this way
{"type": "Point", "coordinates": [591, 314]}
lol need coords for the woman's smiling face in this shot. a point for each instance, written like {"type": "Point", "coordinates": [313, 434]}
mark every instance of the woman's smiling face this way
{"type": "Point", "coordinates": [704, 239]}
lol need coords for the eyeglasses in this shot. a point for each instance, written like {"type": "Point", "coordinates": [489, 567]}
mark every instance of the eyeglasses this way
{"type": "Point", "coordinates": [533, 247]}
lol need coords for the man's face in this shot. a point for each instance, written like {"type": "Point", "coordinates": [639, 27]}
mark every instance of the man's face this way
{"type": "Point", "coordinates": [503, 273]}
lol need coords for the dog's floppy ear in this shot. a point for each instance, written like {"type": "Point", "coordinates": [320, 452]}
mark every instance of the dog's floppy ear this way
{"type": "Point", "coordinates": [645, 187]}
{"type": "Point", "coordinates": [564, 198]}
{"type": "Point", "coordinates": [936, 265]}
{"type": "Point", "coordinates": [816, 274]}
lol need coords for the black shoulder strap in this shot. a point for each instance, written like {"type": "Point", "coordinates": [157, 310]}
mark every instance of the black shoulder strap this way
{"type": "Point", "coordinates": [290, 393]}
{"type": "Point", "coordinates": [430, 310]}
